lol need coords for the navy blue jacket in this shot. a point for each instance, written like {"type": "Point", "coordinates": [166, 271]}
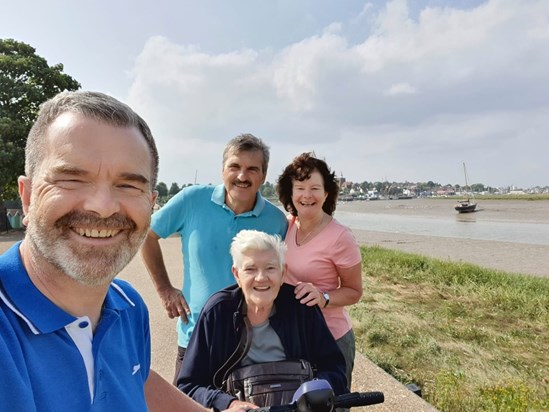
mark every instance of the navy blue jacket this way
{"type": "Point", "coordinates": [302, 331]}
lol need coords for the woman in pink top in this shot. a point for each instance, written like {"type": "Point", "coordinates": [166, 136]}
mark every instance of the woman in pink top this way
{"type": "Point", "coordinates": [323, 258]}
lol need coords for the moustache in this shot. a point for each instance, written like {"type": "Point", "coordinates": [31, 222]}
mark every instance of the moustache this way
{"type": "Point", "coordinates": [82, 219]}
{"type": "Point", "coordinates": [240, 182]}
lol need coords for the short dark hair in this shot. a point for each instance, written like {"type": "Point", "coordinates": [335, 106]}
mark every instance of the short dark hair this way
{"type": "Point", "coordinates": [247, 142]}
{"type": "Point", "coordinates": [300, 169]}
{"type": "Point", "coordinates": [94, 105]}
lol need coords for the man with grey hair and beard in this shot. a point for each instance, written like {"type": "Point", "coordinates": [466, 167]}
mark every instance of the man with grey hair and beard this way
{"type": "Point", "coordinates": [72, 337]}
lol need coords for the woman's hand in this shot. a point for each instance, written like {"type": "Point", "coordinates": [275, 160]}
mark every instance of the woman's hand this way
{"type": "Point", "coordinates": [309, 295]}
{"type": "Point", "coordinates": [240, 406]}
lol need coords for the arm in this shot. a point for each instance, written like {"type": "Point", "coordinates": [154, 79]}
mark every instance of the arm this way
{"type": "Point", "coordinates": [348, 293]}
{"type": "Point", "coordinates": [346, 259]}
{"type": "Point", "coordinates": [171, 297]}
{"type": "Point", "coordinates": [162, 396]}
{"type": "Point", "coordinates": [350, 289]}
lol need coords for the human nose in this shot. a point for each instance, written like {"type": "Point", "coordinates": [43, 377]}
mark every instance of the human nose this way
{"type": "Point", "coordinates": [242, 175]}
{"type": "Point", "coordinates": [307, 193]}
{"type": "Point", "coordinates": [261, 274]}
{"type": "Point", "coordinates": [102, 201]}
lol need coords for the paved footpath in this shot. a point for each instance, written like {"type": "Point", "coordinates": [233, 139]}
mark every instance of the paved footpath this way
{"type": "Point", "coordinates": [366, 375]}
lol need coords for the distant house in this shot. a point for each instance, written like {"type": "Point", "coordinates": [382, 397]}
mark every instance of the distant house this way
{"type": "Point", "coordinates": [444, 191]}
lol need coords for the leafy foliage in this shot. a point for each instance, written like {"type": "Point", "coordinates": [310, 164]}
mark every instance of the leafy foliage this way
{"type": "Point", "coordinates": [174, 189]}
{"type": "Point", "coordinates": [26, 81]}
{"type": "Point", "coordinates": [162, 189]}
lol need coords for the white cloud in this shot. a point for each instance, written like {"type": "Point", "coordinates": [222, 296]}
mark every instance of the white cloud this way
{"type": "Point", "coordinates": [411, 100]}
{"type": "Point", "coordinates": [400, 88]}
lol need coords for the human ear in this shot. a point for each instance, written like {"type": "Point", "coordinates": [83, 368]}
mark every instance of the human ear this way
{"type": "Point", "coordinates": [154, 196]}
{"type": "Point", "coordinates": [236, 275]}
{"type": "Point", "coordinates": [24, 185]}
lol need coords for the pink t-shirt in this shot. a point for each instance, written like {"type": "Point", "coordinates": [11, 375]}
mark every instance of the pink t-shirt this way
{"type": "Point", "coordinates": [317, 261]}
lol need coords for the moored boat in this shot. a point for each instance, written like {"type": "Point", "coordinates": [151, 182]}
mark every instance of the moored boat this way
{"type": "Point", "coordinates": [467, 205]}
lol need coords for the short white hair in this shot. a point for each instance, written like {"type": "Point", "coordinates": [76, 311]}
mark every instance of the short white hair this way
{"type": "Point", "coordinates": [247, 240]}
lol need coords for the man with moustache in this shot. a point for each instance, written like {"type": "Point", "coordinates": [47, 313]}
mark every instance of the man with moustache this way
{"type": "Point", "coordinates": [73, 338]}
{"type": "Point", "coordinates": [207, 218]}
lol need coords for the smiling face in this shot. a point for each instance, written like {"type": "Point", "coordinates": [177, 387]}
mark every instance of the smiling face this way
{"type": "Point", "coordinates": [243, 175]}
{"type": "Point", "coordinates": [88, 206]}
{"type": "Point", "coordinates": [259, 275]}
{"type": "Point", "coordinates": [309, 195]}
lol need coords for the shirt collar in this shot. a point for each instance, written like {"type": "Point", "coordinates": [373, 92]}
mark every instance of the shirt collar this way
{"type": "Point", "coordinates": [218, 197]}
{"type": "Point", "coordinates": [40, 313]}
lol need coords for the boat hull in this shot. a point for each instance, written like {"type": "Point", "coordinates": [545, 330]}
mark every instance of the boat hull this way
{"type": "Point", "coordinates": [465, 207]}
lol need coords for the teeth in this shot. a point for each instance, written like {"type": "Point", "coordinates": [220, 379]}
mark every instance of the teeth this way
{"type": "Point", "coordinates": [94, 233]}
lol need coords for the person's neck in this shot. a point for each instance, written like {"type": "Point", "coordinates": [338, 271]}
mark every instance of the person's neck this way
{"type": "Point", "coordinates": [68, 294]}
{"type": "Point", "coordinates": [239, 207]}
{"type": "Point", "coordinates": [258, 314]}
{"type": "Point", "coordinates": [307, 225]}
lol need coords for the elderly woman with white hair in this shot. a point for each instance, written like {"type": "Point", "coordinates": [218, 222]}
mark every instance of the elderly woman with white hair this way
{"type": "Point", "coordinates": [279, 327]}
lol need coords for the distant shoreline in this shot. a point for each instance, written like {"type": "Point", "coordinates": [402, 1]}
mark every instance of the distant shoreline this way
{"type": "Point", "coordinates": [505, 256]}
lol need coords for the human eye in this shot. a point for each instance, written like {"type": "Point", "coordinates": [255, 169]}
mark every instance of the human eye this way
{"type": "Point", "coordinates": [67, 177]}
{"type": "Point", "coordinates": [69, 183]}
{"type": "Point", "coordinates": [250, 270]}
{"type": "Point", "coordinates": [131, 188]}
{"type": "Point", "coordinates": [132, 183]}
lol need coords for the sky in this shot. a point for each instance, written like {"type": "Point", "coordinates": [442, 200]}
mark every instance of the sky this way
{"type": "Point", "coordinates": [382, 90]}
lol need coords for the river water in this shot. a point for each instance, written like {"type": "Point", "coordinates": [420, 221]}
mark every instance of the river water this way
{"type": "Point", "coordinates": [525, 222]}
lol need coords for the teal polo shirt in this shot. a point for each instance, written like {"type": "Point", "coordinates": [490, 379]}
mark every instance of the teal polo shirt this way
{"type": "Point", "coordinates": [207, 226]}
{"type": "Point", "coordinates": [52, 361]}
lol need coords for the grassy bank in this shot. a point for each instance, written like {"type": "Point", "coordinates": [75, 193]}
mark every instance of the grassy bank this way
{"type": "Point", "coordinates": [471, 338]}
{"type": "Point", "coordinates": [514, 197]}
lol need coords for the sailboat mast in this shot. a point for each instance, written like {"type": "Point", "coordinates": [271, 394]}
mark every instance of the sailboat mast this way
{"type": "Point", "coordinates": [465, 174]}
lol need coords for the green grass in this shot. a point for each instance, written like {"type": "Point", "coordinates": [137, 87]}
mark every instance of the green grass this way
{"type": "Point", "coordinates": [540, 196]}
{"type": "Point", "coordinates": [473, 339]}
{"type": "Point", "coordinates": [526, 197]}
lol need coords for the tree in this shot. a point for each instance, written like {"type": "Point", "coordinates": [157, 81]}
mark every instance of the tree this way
{"type": "Point", "coordinates": [174, 189]}
{"type": "Point", "coordinates": [26, 81]}
{"type": "Point", "coordinates": [162, 189]}
{"type": "Point", "coordinates": [478, 187]}
{"type": "Point", "coordinates": [267, 190]}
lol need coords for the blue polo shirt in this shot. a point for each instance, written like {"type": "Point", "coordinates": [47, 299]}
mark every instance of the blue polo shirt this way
{"type": "Point", "coordinates": [207, 226]}
{"type": "Point", "coordinates": [52, 361]}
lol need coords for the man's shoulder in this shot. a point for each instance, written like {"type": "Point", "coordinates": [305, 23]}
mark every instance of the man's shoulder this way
{"type": "Point", "coordinates": [127, 291]}
{"type": "Point", "coordinates": [194, 191]}
{"type": "Point", "coordinates": [11, 255]}
{"type": "Point", "coordinates": [188, 197]}
{"type": "Point", "coordinates": [200, 188]}
{"type": "Point", "coordinates": [272, 206]}
{"type": "Point", "coordinates": [273, 210]}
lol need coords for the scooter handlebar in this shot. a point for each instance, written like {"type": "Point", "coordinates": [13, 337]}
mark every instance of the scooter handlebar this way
{"type": "Point", "coordinates": [347, 400]}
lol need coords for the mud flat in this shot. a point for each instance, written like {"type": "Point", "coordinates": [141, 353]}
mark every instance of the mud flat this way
{"type": "Point", "coordinates": [516, 257]}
